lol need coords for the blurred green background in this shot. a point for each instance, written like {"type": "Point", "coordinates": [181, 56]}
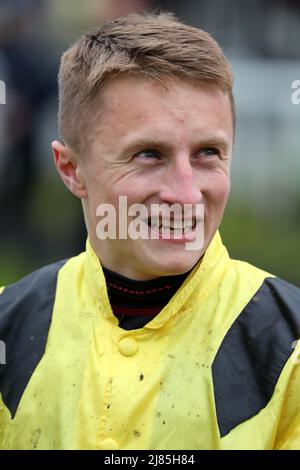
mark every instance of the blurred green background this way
{"type": "Point", "coordinates": [41, 222]}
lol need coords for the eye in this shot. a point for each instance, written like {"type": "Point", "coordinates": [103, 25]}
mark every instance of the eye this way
{"type": "Point", "coordinates": [148, 154]}
{"type": "Point", "coordinates": [209, 152]}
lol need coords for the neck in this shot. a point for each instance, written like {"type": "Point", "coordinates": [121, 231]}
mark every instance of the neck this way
{"type": "Point", "coordinates": [141, 300]}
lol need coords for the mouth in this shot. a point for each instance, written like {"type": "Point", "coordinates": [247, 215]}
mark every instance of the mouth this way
{"type": "Point", "coordinates": [174, 230]}
{"type": "Point", "coordinates": [157, 223]}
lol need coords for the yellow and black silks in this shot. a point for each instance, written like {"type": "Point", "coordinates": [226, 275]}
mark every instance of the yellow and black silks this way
{"type": "Point", "coordinates": [215, 369]}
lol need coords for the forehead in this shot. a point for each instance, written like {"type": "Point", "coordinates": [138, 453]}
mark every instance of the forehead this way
{"type": "Point", "coordinates": [133, 105]}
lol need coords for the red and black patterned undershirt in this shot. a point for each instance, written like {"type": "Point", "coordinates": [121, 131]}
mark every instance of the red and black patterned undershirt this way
{"type": "Point", "coordinates": [136, 303]}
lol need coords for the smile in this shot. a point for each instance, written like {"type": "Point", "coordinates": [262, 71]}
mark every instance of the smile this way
{"type": "Point", "coordinates": [175, 231]}
{"type": "Point", "coordinates": [176, 226]}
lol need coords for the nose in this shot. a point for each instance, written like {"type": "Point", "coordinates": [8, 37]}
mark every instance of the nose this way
{"type": "Point", "coordinates": [181, 185]}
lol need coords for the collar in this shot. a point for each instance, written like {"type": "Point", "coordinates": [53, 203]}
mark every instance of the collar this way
{"type": "Point", "coordinates": [202, 280]}
{"type": "Point", "coordinates": [140, 299]}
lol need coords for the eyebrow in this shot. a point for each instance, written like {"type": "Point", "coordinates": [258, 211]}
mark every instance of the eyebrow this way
{"type": "Point", "coordinates": [215, 142]}
{"type": "Point", "coordinates": [145, 143]}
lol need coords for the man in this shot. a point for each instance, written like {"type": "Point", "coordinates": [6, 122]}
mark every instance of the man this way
{"type": "Point", "coordinates": [156, 341]}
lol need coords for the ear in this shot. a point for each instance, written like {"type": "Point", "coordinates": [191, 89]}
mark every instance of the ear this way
{"type": "Point", "coordinates": [68, 169]}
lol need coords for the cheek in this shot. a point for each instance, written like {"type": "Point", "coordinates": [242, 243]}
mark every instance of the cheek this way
{"type": "Point", "coordinates": [224, 191]}
{"type": "Point", "coordinates": [219, 189]}
{"type": "Point", "coordinates": [102, 191]}
{"type": "Point", "coordinates": [135, 191]}
{"type": "Point", "coordinates": [110, 194]}
{"type": "Point", "coordinates": [215, 203]}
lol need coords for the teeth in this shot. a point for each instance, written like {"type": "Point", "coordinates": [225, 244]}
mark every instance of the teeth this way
{"type": "Point", "coordinates": [155, 225]}
{"type": "Point", "coordinates": [175, 226]}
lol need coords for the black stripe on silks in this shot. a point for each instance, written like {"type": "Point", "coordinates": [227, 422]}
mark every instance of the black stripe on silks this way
{"type": "Point", "coordinates": [254, 352]}
{"type": "Point", "coordinates": [25, 316]}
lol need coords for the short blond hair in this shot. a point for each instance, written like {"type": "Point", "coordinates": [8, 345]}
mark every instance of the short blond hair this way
{"type": "Point", "coordinates": [155, 46]}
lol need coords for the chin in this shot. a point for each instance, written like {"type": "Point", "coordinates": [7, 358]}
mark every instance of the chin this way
{"type": "Point", "coordinates": [174, 267]}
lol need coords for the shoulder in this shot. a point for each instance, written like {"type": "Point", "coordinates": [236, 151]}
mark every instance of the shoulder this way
{"type": "Point", "coordinates": [39, 285]}
{"type": "Point", "coordinates": [273, 310]}
{"type": "Point", "coordinates": [26, 309]}
{"type": "Point", "coordinates": [278, 295]}
{"type": "Point", "coordinates": [270, 316]}
{"type": "Point", "coordinates": [256, 347]}
{"type": "Point", "coordinates": [273, 291]}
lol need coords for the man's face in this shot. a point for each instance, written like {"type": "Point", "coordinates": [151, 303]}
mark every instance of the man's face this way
{"type": "Point", "coordinates": [156, 145]}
